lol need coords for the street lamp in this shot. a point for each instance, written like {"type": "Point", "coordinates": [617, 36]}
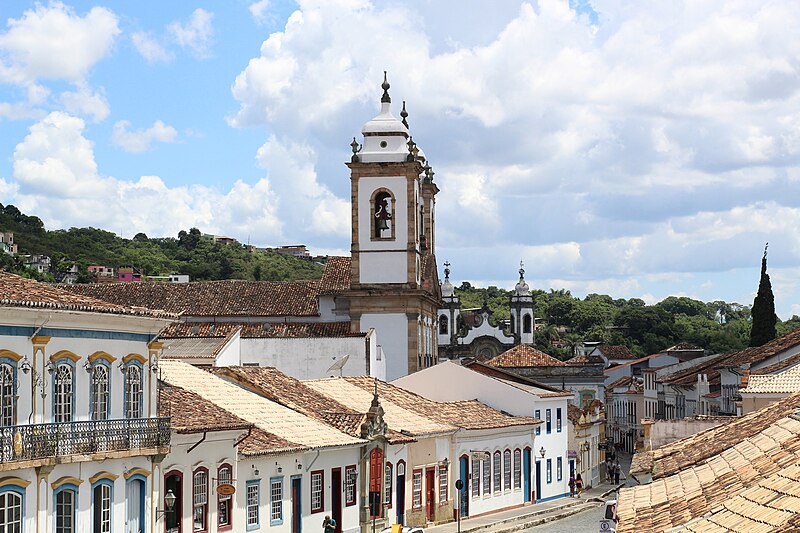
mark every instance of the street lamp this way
{"type": "Point", "coordinates": [169, 502]}
{"type": "Point", "coordinates": [542, 452]}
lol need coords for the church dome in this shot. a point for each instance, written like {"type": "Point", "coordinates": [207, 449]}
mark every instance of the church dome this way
{"type": "Point", "coordinates": [385, 122]}
{"type": "Point", "coordinates": [447, 289]}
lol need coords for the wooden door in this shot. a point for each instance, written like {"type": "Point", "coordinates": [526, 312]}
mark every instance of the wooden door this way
{"type": "Point", "coordinates": [336, 497]}
{"type": "Point", "coordinates": [430, 493]}
{"type": "Point", "coordinates": [297, 505]}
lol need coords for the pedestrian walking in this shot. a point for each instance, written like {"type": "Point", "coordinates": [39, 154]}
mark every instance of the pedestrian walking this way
{"type": "Point", "coordinates": [329, 525]}
{"type": "Point", "coordinates": [617, 471]}
{"type": "Point", "coordinates": [578, 484]}
{"type": "Point", "coordinates": [609, 469]}
{"type": "Point", "coordinates": [571, 485]}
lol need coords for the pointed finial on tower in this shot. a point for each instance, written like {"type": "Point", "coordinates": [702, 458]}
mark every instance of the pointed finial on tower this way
{"type": "Point", "coordinates": [521, 270]}
{"type": "Point", "coordinates": [385, 99]}
{"type": "Point", "coordinates": [447, 270]}
{"type": "Point", "coordinates": [404, 114]}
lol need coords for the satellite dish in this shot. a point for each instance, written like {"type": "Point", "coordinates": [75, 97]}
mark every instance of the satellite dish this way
{"type": "Point", "coordinates": [338, 365]}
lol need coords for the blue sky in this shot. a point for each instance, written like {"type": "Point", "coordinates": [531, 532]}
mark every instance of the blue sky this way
{"type": "Point", "coordinates": [634, 149]}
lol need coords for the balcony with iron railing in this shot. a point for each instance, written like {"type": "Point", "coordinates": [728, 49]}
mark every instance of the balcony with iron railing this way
{"type": "Point", "coordinates": [97, 439]}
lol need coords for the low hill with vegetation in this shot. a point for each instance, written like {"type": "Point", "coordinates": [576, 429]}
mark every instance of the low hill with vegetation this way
{"type": "Point", "coordinates": [189, 253]}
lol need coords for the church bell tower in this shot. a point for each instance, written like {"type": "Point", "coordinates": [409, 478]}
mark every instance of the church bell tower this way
{"type": "Point", "coordinates": [393, 280]}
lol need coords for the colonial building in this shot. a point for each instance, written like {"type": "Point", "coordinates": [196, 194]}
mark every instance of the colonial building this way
{"type": "Point", "coordinates": [80, 433]}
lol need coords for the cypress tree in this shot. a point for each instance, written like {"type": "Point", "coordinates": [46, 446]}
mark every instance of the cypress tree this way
{"type": "Point", "coordinates": [763, 312]}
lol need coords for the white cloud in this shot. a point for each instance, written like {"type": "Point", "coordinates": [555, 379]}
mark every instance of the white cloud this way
{"type": "Point", "coordinates": [84, 102]}
{"type": "Point", "coordinates": [149, 48]}
{"type": "Point", "coordinates": [53, 42]}
{"type": "Point", "coordinates": [140, 140]}
{"type": "Point", "coordinates": [258, 10]}
{"type": "Point", "coordinates": [56, 177]}
{"type": "Point", "coordinates": [196, 33]}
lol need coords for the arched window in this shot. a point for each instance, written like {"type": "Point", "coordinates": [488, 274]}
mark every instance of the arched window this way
{"type": "Point", "coordinates": [526, 323]}
{"type": "Point", "coordinates": [200, 499]}
{"type": "Point", "coordinates": [66, 499]}
{"type": "Point", "coordinates": [173, 482]}
{"type": "Point", "coordinates": [63, 392]}
{"type": "Point", "coordinates": [8, 394]}
{"type": "Point", "coordinates": [11, 509]}
{"type": "Point", "coordinates": [133, 391]}
{"type": "Point", "coordinates": [101, 506]}
{"type": "Point", "coordinates": [382, 219]}
{"type": "Point", "coordinates": [387, 485]}
{"type": "Point", "coordinates": [443, 325]}
{"type": "Point", "coordinates": [517, 469]}
{"type": "Point", "coordinates": [99, 392]}
{"type": "Point", "coordinates": [507, 469]}
{"type": "Point", "coordinates": [497, 474]}
{"type": "Point", "coordinates": [225, 501]}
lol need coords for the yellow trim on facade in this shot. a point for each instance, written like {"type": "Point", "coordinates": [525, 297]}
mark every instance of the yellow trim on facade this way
{"type": "Point", "coordinates": [133, 471]}
{"type": "Point", "coordinates": [134, 357]}
{"type": "Point", "coordinates": [102, 355]}
{"type": "Point", "coordinates": [155, 345]}
{"type": "Point", "coordinates": [16, 481]}
{"type": "Point", "coordinates": [65, 353]}
{"type": "Point", "coordinates": [64, 480]}
{"type": "Point", "coordinates": [102, 475]}
{"type": "Point", "coordinates": [40, 340]}
{"type": "Point", "coordinates": [11, 355]}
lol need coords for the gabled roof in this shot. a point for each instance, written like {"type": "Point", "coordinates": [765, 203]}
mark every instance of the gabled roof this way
{"type": "Point", "coordinates": [523, 355]}
{"type": "Point", "coordinates": [265, 414]}
{"type": "Point", "coordinates": [688, 375]}
{"type": "Point", "coordinates": [467, 414]}
{"type": "Point", "coordinates": [615, 351]}
{"type": "Point", "coordinates": [507, 376]}
{"type": "Point", "coordinates": [398, 418]}
{"type": "Point", "coordinates": [194, 348]}
{"type": "Point", "coordinates": [294, 394]}
{"type": "Point", "coordinates": [784, 382]}
{"type": "Point", "coordinates": [580, 360]}
{"type": "Point", "coordinates": [776, 346]}
{"type": "Point", "coordinates": [692, 450]}
{"type": "Point", "coordinates": [260, 330]}
{"type": "Point", "coordinates": [233, 298]}
{"type": "Point", "coordinates": [16, 291]}
{"type": "Point", "coordinates": [190, 413]}
{"type": "Point", "coordinates": [709, 486]}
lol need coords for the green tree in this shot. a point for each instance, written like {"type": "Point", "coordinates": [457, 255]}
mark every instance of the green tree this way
{"type": "Point", "coordinates": [764, 317]}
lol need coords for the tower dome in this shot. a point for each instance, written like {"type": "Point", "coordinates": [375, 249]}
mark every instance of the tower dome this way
{"type": "Point", "coordinates": [522, 288]}
{"type": "Point", "coordinates": [385, 136]}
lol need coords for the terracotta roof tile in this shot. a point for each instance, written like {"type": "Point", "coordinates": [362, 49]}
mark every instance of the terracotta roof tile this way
{"type": "Point", "coordinates": [616, 351]}
{"type": "Point", "coordinates": [190, 413]}
{"type": "Point", "coordinates": [260, 330]}
{"type": "Point", "coordinates": [579, 360]}
{"type": "Point", "coordinates": [194, 348]}
{"type": "Point", "coordinates": [336, 277]}
{"type": "Point", "coordinates": [16, 291]}
{"type": "Point", "coordinates": [751, 485]}
{"type": "Point", "coordinates": [523, 355]}
{"type": "Point", "coordinates": [786, 381]}
{"type": "Point", "coordinates": [270, 416]}
{"type": "Point", "coordinates": [261, 442]}
{"type": "Point", "coordinates": [469, 414]}
{"type": "Point", "coordinates": [211, 298]}
{"type": "Point", "coordinates": [683, 453]}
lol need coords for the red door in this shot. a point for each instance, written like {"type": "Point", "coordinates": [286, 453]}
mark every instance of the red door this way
{"type": "Point", "coordinates": [430, 493]}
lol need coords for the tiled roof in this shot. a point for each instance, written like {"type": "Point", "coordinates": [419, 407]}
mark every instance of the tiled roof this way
{"type": "Point", "coordinates": [507, 375]}
{"type": "Point", "coordinates": [784, 342]}
{"type": "Point", "coordinates": [336, 277]}
{"type": "Point", "coordinates": [469, 414]}
{"type": "Point", "coordinates": [683, 347]}
{"type": "Point", "coordinates": [260, 330]}
{"type": "Point", "coordinates": [684, 453]}
{"type": "Point", "coordinates": [194, 347]}
{"type": "Point", "coordinates": [211, 298]}
{"type": "Point", "coordinates": [16, 291]}
{"type": "Point", "coordinates": [624, 381]}
{"type": "Point", "coordinates": [616, 351]}
{"type": "Point", "coordinates": [688, 375]}
{"type": "Point", "coordinates": [265, 414]}
{"type": "Point", "coordinates": [710, 485]}
{"type": "Point", "coordinates": [294, 394]}
{"type": "Point", "coordinates": [579, 360]}
{"type": "Point", "coordinates": [191, 413]}
{"type": "Point", "coordinates": [399, 418]}
{"type": "Point", "coordinates": [261, 442]}
{"type": "Point", "coordinates": [523, 355]}
{"type": "Point", "coordinates": [787, 381]}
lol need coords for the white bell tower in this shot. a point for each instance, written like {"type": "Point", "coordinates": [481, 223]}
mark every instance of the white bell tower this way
{"type": "Point", "coordinates": [393, 268]}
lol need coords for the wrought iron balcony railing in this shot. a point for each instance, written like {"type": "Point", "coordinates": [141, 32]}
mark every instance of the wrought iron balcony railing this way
{"type": "Point", "coordinates": [42, 441]}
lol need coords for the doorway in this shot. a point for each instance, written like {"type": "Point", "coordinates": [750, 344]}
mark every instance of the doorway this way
{"type": "Point", "coordinates": [400, 501]}
{"type": "Point", "coordinates": [297, 504]}
{"type": "Point", "coordinates": [464, 492]}
{"type": "Point", "coordinates": [172, 520]}
{"type": "Point", "coordinates": [538, 495]}
{"type": "Point", "coordinates": [336, 497]}
{"type": "Point", "coordinates": [526, 473]}
{"type": "Point", "coordinates": [134, 519]}
{"type": "Point", "coordinates": [430, 493]}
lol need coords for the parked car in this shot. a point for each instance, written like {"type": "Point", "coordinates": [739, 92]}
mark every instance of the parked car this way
{"type": "Point", "coordinates": [608, 524]}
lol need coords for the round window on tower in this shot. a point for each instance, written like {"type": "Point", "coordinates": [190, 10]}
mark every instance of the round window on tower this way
{"type": "Point", "coordinates": [384, 144]}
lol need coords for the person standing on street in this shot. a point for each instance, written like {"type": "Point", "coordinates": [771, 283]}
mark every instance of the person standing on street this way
{"type": "Point", "coordinates": [571, 485]}
{"type": "Point", "coordinates": [578, 484]}
{"type": "Point", "coordinates": [329, 525]}
{"type": "Point", "coordinates": [617, 470]}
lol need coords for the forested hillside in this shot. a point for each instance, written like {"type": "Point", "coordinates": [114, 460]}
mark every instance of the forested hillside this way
{"type": "Point", "coordinates": [189, 253]}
